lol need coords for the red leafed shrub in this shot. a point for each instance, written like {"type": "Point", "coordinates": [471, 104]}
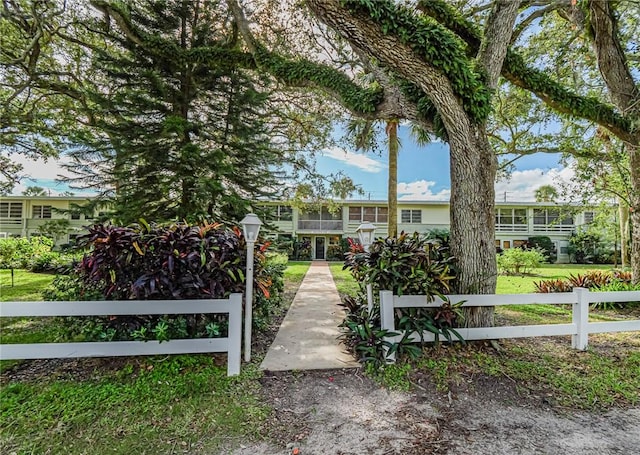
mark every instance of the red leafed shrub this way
{"type": "Point", "coordinates": [176, 262]}
{"type": "Point", "coordinates": [173, 262]}
{"type": "Point", "coordinates": [557, 285]}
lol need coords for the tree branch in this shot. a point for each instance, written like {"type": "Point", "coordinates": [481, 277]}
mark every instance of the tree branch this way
{"type": "Point", "coordinates": [537, 82]}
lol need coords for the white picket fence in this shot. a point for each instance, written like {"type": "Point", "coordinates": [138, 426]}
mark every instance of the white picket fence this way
{"type": "Point", "coordinates": [230, 344]}
{"type": "Point", "coordinates": [579, 328]}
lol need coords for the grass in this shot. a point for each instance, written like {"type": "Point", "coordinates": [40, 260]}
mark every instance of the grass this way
{"type": "Point", "coordinates": [27, 285]}
{"type": "Point", "coordinates": [344, 281]}
{"type": "Point", "coordinates": [525, 284]}
{"type": "Point", "coordinates": [171, 404]}
{"type": "Point", "coordinates": [295, 272]}
{"type": "Point", "coordinates": [542, 369]}
{"type": "Point", "coordinates": [179, 404]}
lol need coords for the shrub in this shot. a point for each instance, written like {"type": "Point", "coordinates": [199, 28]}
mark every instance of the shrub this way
{"type": "Point", "coordinates": [173, 262]}
{"type": "Point", "coordinates": [517, 261]}
{"type": "Point", "coordinates": [301, 250]}
{"type": "Point", "coordinates": [545, 245]}
{"type": "Point", "coordinates": [587, 247]}
{"type": "Point", "coordinates": [616, 286]}
{"type": "Point", "coordinates": [622, 275]}
{"type": "Point", "coordinates": [408, 264]}
{"type": "Point", "coordinates": [335, 253]}
{"type": "Point", "coordinates": [595, 281]}
{"type": "Point", "coordinates": [23, 251]}
{"type": "Point", "coordinates": [557, 285]}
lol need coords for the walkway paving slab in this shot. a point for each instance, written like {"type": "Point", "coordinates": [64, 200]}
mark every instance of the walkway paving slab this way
{"type": "Point", "coordinates": [308, 336]}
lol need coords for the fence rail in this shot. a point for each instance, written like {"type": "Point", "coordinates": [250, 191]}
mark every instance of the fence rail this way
{"type": "Point", "coordinates": [579, 328]}
{"type": "Point", "coordinates": [230, 344]}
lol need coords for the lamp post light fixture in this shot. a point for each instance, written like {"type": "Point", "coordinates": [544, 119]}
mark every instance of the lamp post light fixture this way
{"type": "Point", "coordinates": [250, 227]}
{"type": "Point", "coordinates": [365, 234]}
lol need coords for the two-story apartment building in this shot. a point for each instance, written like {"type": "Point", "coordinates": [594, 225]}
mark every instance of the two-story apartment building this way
{"type": "Point", "coordinates": [22, 216]}
{"type": "Point", "coordinates": [514, 222]}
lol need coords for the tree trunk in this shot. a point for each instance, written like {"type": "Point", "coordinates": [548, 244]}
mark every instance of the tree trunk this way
{"type": "Point", "coordinates": [473, 172]}
{"type": "Point", "coordinates": [612, 63]}
{"type": "Point", "coordinates": [634, 209]}
{"type": "Point", "coordinates": [392, 190]}
{"type": "Point", "coordinates": [623, 213]}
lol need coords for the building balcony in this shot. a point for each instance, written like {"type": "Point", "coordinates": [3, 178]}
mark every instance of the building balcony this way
{"type": "Point", "coordinates": [320, 226]}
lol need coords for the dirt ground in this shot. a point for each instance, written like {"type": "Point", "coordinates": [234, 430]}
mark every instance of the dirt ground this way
{"type": "Point", "coordinates": [342, 412]}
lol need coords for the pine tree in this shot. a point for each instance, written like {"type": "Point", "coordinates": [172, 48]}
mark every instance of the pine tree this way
{"type": "Point", "coordinates": [184, 131]}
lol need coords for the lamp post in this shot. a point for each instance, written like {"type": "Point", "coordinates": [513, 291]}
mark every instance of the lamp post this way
{"type": "Point", "coordinates": [250, 227]}
{"type": "Point", "coordinates": [365, 234]}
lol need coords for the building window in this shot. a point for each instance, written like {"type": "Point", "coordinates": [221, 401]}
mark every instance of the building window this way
{"type": "Point", "coordinates": [588, 217]}
{"type": "Point", "coordinates": [41, 211]}
{"type": "Point", "coordinates": [516, 219]}
{"type": "Point", "coordinates": [334, 240]}
{"type": "Point", "coordinates": [285, 213]}
{"type": "Point", "coordinates": [10, 209]}
{"type": "Point", "coordinates": [411, 216]}
{"type": "Point", "coordinates": [368, 214]}
{"type": "Point", "coordinates": [75, 215]}
{"type": "Point", "coordinates": [551, 217]}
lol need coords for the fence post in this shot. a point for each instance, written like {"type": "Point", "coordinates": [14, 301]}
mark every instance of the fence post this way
{"type": "Point", "coordinates": [234, 336]}
{"type": "Point", "coordinates": [387, 320]}
{"type": "Point", "coordinates": [581, 319]}
{"type": "Point", "coordinates": [369, 297]}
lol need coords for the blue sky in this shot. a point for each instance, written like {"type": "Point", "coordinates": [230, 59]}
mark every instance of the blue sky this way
{"type": "Point", "coordinates": [423, 172]}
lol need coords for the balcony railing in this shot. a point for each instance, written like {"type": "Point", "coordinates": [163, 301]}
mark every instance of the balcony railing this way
{"type": "Point", "coordinates": [553, 228]}
{"type": "Point", "coordinates": [10, 221]}
{"type": "Point", "coordinates": [512, 228]}
{"type": "Point", "coordinates": [320, 225]}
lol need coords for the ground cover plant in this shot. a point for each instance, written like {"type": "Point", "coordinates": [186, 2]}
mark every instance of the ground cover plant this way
{"type": "Point", "coordinates": [152, 405]}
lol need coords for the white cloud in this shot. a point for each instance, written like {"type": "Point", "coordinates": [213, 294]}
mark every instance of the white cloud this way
{"type": "Point", "coordinates": [362, 162]}
{"type": "Point", "coordinates": [39, 169]}
{"type": "Point", "coordinates": [522, 185]}
{"type": "Point", "coordinates": [43, 173]}
{"type": "Point", "coordinates": [421, 190]}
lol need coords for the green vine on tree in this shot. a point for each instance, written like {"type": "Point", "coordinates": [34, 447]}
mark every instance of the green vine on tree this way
{"type": "Point", "coordinates": [437, 45]}
{"type": "Point", "coordinates": [516, 71]}
{"type": "Point", "coordinates": [301, 72]}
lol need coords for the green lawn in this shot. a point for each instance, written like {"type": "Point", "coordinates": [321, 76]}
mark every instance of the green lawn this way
{"type": "Point", "coordinates": [344, 281]}
{"type": "Point", "coordinates": [296, 271]}
{"type": "Point", "coordinates": [168, 404]}
{"type": "Point", "coordinates": [525, 284]}
{"type": "Point", "coordinates": [27, 285]}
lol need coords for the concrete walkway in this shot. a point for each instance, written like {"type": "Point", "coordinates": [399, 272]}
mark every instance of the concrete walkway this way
{"type": "Point", "coordinates": [307, 339]}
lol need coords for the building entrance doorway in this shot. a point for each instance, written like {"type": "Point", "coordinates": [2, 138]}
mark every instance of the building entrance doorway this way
{"type": "Point", "coordinates": [320, 248]}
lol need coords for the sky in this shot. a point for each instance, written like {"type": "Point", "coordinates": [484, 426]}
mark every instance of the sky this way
{"type": "Point", "coordinates": [423, 172]}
